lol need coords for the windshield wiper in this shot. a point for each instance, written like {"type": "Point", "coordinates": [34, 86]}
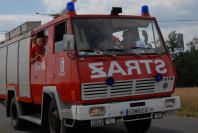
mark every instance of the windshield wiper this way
{"type": "Point", "coordinates": [124, 51]}
{"type": "Point", "coordinates": [100, 52]}
{"type": "Point", "coordinates": [157, 52]}
{"type": "Point", "coordinates": [139, 48]}
{"type": "Point", "coordinates": [118, 50]}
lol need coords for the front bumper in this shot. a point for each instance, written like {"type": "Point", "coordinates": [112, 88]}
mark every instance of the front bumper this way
{"type": "Point", "coordinates": [122, 109]}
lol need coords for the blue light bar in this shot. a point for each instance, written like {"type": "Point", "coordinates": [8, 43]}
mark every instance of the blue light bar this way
{"type": "Point", "coordinates": [145, 10]}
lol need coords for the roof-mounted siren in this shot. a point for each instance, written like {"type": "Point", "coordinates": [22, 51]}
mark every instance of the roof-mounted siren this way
{"type": "Point", "coordinates": [145, 11]}
{"type": "Point", "coordinates": [116, 10]}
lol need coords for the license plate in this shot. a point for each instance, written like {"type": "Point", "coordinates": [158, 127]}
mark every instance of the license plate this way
{"type": "Point", "coordinates": [97, 122]}
{"type": "Point", "coordinates": [109, 121]}
{"type": "Point", "coordinates": [138, 111]}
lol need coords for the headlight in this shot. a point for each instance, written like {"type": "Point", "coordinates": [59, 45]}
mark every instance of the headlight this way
{"type": "Point", "coordinates": [165, 85]}
{"type": "Point", "coordinates": [169, 103]}
{"type": "Point", "coordinates": [97, 111]}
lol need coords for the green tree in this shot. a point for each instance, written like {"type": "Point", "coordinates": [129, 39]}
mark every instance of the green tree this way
{"type": "Point", "coordinates": [172, 42]}
{"type": "Point", "coordinates": [186, 65]}
{"type": "Point", "coordinates": [193, 44]}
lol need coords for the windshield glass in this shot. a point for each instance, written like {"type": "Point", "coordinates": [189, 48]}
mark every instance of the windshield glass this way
{"type": "Point", "coordinates": [117, 36]}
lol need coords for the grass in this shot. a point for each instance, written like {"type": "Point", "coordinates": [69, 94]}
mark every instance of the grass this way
{"type": "Point", "coordinates": [189, 100]}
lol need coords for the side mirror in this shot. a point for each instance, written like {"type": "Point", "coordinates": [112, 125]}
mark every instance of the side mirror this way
{"type": "Point", "coordinates": [68, 41]}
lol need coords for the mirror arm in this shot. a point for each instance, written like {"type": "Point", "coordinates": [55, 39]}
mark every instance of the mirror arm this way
{"type": "Point", "coordinates": [71, 55]}
{"type": "Point", "coordinates": [68, 41]}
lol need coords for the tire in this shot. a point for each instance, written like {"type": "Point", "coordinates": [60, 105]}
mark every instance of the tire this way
{"type": "Point", "coordinates": [14, 113]}
{"type": "Point", "coordinates": [54, 119]}
{"type": "Point", "coordinates": [140, 126]}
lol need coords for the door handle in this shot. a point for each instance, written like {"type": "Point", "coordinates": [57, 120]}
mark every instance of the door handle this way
{"type": "Point", "coordinates": [53, 75]}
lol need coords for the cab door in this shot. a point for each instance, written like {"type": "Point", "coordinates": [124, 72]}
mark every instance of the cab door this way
{"type": "Point", "coordinates": [50, 78]}
{"type": "Point", "coordinates": [61, 59]}
{"type": "Point", "coordinates": [65, 70]}
{"type": "Point", "coordinates": [39, 69]}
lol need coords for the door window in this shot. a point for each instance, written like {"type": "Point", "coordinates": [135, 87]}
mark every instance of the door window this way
{"type": "Point", "coordinates": [60, 31]}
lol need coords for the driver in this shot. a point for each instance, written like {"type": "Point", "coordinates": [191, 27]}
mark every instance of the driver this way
{"type": "Point", "coordinates": [130, 37]}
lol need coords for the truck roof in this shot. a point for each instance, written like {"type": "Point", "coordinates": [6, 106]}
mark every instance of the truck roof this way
{"type": "Point", "coordinates": [63, 17]}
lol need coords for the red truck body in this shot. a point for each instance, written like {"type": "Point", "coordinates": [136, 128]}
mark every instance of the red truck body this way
{"type": "Point", "coordinates": [82, 80]}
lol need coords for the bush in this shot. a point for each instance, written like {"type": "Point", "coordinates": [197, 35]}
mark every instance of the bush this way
{"type": "Point", "coordinates": [186, 65]}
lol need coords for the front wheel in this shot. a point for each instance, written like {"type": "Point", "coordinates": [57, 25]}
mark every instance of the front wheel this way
{"type": "Point", "coordinates": [140, 126]}
{"type": "Point", "coordinates": [14, 113]}
{"type": "Point", "coordinates": [54, 122]}
{"type": "Point", "coordinates": [54, 118]}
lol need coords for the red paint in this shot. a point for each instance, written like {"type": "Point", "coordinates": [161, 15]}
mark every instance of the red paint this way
{"type": "Point", "coordinates": [2, 96]}
{"type": "Point", "coordinates": [21, 99]}
{"type": "Point", "coordinates": [85, 72]}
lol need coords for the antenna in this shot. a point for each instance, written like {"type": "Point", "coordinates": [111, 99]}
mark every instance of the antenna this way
{"type": "Point", "coordinates": [116, 10]}
{"type": "Point", "coordinates": [51, 15]}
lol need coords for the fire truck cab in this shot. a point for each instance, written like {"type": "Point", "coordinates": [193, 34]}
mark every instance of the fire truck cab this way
{"type": "Point", "coordinates": [96, 69]}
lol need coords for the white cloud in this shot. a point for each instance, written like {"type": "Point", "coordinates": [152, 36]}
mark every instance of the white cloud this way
{"type": "Point", "coordinates": [52, 5]}
{"type": "Point", "coordinates": [104, 6]}
{"type": "Point", "coordinates": [2, 36]}
{"type": "Point", "coordinates": [190, 31]}
{"type": "Point", "coordinates": [91, 6]}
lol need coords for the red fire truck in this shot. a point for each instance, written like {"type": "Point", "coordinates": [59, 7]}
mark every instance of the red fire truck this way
{"type": "Point", "coordinates": [96, 69]}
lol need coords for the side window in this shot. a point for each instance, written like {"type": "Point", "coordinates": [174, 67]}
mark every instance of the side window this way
{"type": "Point", "coordinates": [60, 30]}
{"type": "Point", "coordinates": [44, 36]}
{"type": "Point", "coordinates": [39, 45]}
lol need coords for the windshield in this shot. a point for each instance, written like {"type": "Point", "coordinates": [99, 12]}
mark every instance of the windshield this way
{"type": "Point", "coordinates": [117, 36]}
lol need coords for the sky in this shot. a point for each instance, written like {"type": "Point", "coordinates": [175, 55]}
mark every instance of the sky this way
{"type": "Point", "coordinates": [16, 12]}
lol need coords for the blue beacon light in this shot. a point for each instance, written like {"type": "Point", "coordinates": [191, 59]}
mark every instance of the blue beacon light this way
{"type": "Point", "coordinates": [145, 10]}
{"type": "Point", "coordinates": [110, 81]}
{"type": "Point", "coordinates": [71, 8]}
{"type": "Point", "coordinates": [159, 77]}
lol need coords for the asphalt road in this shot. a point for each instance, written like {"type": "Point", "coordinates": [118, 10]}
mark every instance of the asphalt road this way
{"type": "Point", "coordinates": [168, 125]}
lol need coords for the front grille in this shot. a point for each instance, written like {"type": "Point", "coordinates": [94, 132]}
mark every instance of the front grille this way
{"type": "Point", "coordinates": [119, 89]}
{"type": "Point", "coordinates": [146, 86]}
